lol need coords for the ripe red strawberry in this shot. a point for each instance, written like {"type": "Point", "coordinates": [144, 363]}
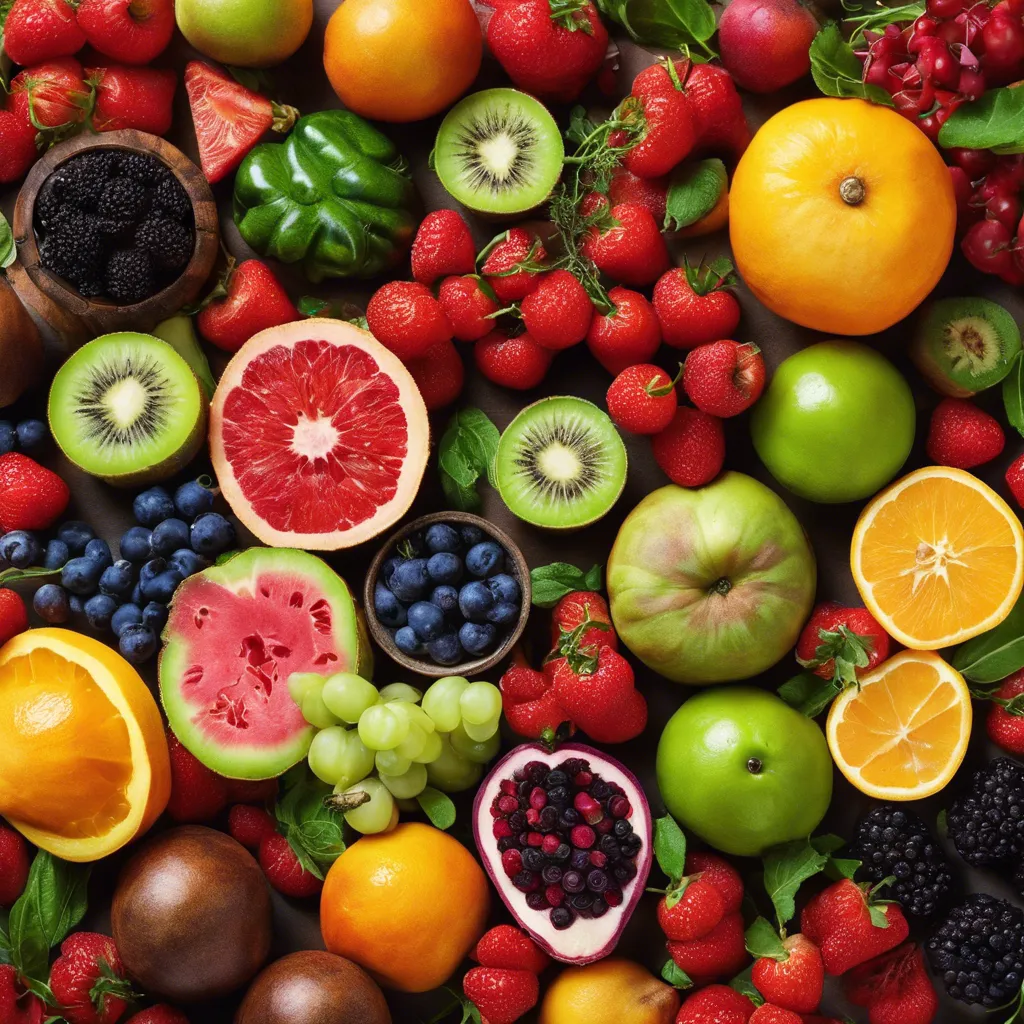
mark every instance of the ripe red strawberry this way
{"type": "Point", "coordinates": [229, 118]}
{"type": "Point", "coordinates": [642, 399]}
{"type": "Point", "coordinates": [443, 246]}
{"type": "Point", "coordinates": [628, 334]}
{"type": "Point", "coordinates": [841, 643]}
{"type": "Point", "coordinates": [719, 954]}
{"type": "Point", "coordinates": [17, 1004]}
{"type": "Point", "coordinates": [131, 31]}
{"type": "Point", "coordinates": [716, 1004]}
{"type": "Point", "coordinates": [693, 913]}
{"type": "Point", "coordinates": [558, 312]}
{"type": "Point", "coordinates": [88, 980]}
{"type": "Point", "coordinates": [510, 948]}
{"type": "Point", "coordinates": [250, 825]}
{"type": "Point", "coordinates": [963, 435]}
{"type": "Point", "coordinates": [405, 317]}
{"type": "Point", "coordinates": [513, 265]}
{"type": "Point", "coordinates": [518, 363]}
{"type": "Point", "coordinates": [1005, 721]}
{"type": "Point", "coordinates": [13, 615]}
{"type": "Point", "coordinates": [41, 30]}
{"type": "Point", "coordinates": [895, 988]}
{"type": "Point", "coordinates": [717, 109]}
{"type": "Point", "coordinates": [528, 700]}
{"type": "Point", "coordinates": [1015, 480]}
{"type": "Point", "coordinates": [161, 1014]}
{"type": "Point", "coordinates": [767, 1013]}
{"type": "Point", "coordinates": [14, 864]}
{"type": "Point", "coordinates": [197, 794]}
{"type": "Point", "coordinates": [627, 245]}
{"type": "Point", "coordinates": [467, 306]}
{"type": "Point", "coordinates": [249, 299]}
{"type": "Point", "coordinates": [724, 378]}
{"type": "Point", "coordinates": [693, 305]}
{"type": "Point", "coordinates": [51, 95]}
{"type": "Point", "coordinates": [139, 98]}
{"type": "Point", "coordinates": [720, 873]}
{"type": "Point", "coordinates": [576, 608]}
{"type": "Point", "coordinates": [550, 48]}
{"type": "Point", "coordinates": [501, 996]}
{"type": "Point", "coordinates": [794, 983]}
{"type": "Point", "coordinates": [670, 130]}
{"type": "Point", "coordinates": [651, 193]}
{"type": "Point", "coordinates": [439, 374]}
{"type": "Point", "coordinates": [31, 496]}
{"type": "Point", "coordinates": [284, 871]}
{"type": "Point", "coordinates": [18, 150]}
{"type": "Point", "coordinates": [691, 449]}
{"type": "Point", "coordinates": [846, 925]}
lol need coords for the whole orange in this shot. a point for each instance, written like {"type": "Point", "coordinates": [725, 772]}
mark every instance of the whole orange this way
{"type": "Point", "coordinates": [841, 216]}
{"type": "Point", "coordinates": [407, 905]}
{"type": "Point", "coordinates": [402, 60]}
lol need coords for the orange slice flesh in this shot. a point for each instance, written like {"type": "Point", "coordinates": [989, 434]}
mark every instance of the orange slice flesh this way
{"type": "Point", "coordinates": [904, 733]}
{"type": "Point", "coordinates": [938, 558]}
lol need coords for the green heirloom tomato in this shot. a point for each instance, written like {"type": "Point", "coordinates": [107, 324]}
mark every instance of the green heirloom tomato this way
{"type": "Point", "coordinates": [335, 196]}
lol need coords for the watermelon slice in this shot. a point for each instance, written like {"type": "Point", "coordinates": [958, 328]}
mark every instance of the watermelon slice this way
{"type": "Point", "coordinates": [319, 435]}
{"type": "Point", "coordinates": [235, 634]}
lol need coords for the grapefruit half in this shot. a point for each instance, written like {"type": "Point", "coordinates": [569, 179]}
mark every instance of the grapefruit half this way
{"type": "Point", "coordinates": [319, 435]}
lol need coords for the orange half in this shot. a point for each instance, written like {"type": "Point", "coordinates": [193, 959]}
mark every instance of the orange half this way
{"type": "Point", "coordinates": [84, 766]}
{"type": "Point", "coordinates": [938, 557]}
{"type": "Point", "coordinates": [903, 734]}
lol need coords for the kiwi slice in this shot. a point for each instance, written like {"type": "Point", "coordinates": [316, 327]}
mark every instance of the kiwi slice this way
{"type": "Point", "coordinates": [127, 408]}
{"type": "Point", "coordinates": [499, 151]}
{"type": "Point", "coordinates": [965, 345]}
{"type": "Point", "coordinates": [560, 464]}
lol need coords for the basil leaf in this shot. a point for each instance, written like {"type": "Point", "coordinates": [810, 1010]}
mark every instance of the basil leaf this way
{"type": "Point", "coordinates": [438, 807]}
{"type": "Point", "coordinates": [996, 654]}
{"type": "Point", "coordinates": [466, 453]}
{"type": "Point", "coordinates": [668, 23]}
{"type": "Point", "coordinates": [807, 693]}
{"type": "Point", "coordinates": [694, 192]}
{"type": "Point", "coordinates": [996, 120]}
{"type": "Point", "coordinates": [762, 940]}
{"type": "Point", "coordinates": [313, 830]}
{"type": "Point", "coordinates": [670, 848]}
{"type": "Point", "coordinates": [675, 976]}
{"type": "Point", "coordinates": [837, 71]}
{"type": "Point", "coordinates": [8, 250]}
{"type": "Point", "coordinates": [786, 868]}
{"type": "Point", "coordinates": [552, 582]}
{"type": "Point", "coordinates": [1013, 394]}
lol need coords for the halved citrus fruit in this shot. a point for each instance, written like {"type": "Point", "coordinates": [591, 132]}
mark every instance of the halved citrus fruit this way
{"type": "Point", "coordinates": [319, 435]}
{"type": "Point", "coordinates": [938, 557]}
{"type": "Point", "coordinates": [902, 734]}
{"type": "Point", "coordinates": [84, 767]}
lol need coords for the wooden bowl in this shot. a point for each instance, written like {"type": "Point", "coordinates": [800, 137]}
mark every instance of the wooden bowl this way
{"type": "Point", "coordinates": [516, 567]}
{"type": "Point", "coordinates": [72, 315]}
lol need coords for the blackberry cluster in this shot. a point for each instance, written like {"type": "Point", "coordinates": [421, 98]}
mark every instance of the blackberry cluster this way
{"type": "Point", "coordinates": [978, 951]}
{"type": "Point", "coordinates": [894, 842]}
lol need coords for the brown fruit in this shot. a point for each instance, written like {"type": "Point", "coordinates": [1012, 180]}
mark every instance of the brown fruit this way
{"type": "Point", "coordinates": [313, 987]}
{"type": "Point", "coordinates": [21, 347]}
{"type": "Point", "coordinates": [191, 915]}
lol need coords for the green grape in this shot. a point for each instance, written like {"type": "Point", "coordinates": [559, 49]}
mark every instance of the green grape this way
{"type": "Point", "coordinates": [348, 696]}
{"type": "Point", "coordinates": [451, 772]}
{"type": "Point", "coordinates": [441, 702]}
{"type": "Point", "coordinates": [408, 806]}
{"type": "Point", "coordinates": [480, 733]}
{"type": "Point", "coordinates": [480, 703]}
{"type": "Point", "coordinates": [408, 785]}
{"type": "Point", "coordinates": [416, 715]}
{"type": "Point", "coordinates": [377, 814]}
{"type": "Point", "coordinates": [314, 710]}
{"type": "Point", "coordinates": [431, 749]}
{"type": "Point", "coordinates": [401, 691]}
{"type": "Point", "coordinates": [413, 744]}
{"type": "Point", "coordinates": [479, 752]}
{"type": "Point", "coordinates": [382, 727]}
{"type": "Point", "coordinates": [327, 752]}
{"type": "Point", "coordinates": [390, 762]}
{"type": "Point", "coordinates": [300, 683]}
{"type": "Point", "coordinates": [357, 761]}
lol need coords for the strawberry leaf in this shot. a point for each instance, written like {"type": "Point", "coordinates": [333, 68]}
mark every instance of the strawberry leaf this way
{"type": "Point", "coordinates": [552, 582]}
{"type": "Point", "coordinates": [786, 868]}
{"type": "Point", "coordinates": [438, 807]}
{"type": "Point", "coordinates": [878, 916]}
{"type": "Point", "coordinates": [743, 984]}
{"type": "Point", "coordinates": [762, 940]}
{"type": "Point", "coordinates": [675, 976]}
{"type": "Point", "coordinates": [807, 693]}
{"type": "Point", "coordinates": [694, 192]}
{"type": "Point", "coordinates": [670, 848]}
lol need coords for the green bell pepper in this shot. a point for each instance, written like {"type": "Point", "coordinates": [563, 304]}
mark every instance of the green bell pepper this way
{"type": "Point", "coordinates": [336, 196]}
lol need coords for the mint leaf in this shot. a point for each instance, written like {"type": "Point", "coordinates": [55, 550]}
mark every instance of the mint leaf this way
{"type": "Point", "coordinates": [1013, 394]}
{"type": "Point", "coordinates": [8, 250]}
{"type": "Point", "coordinates": [466, 453]}
{"type": "Point", "coordinates": [995, 121]}
{"type": "Point", "coordinates": [438, 807]}
{"type": "Point", "coordinates": [670, 847]}
{"type": "Point", "coordinates": [994, 655]}
{"type": "Point", "coordinates": [552, 582]}
{"type": "Point", "coordinates": [837, 71]}
{"type": "Point", "coordinates": [675, 976]}
{"type": "Point", "coordinates": [807, 693]}
{"type": "Point", "coordinates": [786, 868]}
{"type": "Point", "coordinates": [762, 940]}
{"type": "Point", "coordinates": [693, 192]}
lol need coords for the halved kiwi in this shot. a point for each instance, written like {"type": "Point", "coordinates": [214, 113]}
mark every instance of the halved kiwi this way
{"type": "Point", "coordinates": [499, 151]}
{"type": "Point", "coordinates": [963, 346]}
{"type": "Point", "coordinates": [127, 408]}
{"type": "Point", "coordinates": [560, 464]}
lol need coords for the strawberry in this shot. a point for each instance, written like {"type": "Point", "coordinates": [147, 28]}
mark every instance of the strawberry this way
{"type": "Point", "coordinates": [1015, 480]}
{"type": "Point", "coordinates": [720, 873]}
{"type": "Point", "coordinates": [550, 48]}
{"type": "Point", "coordinates": [161, 1014]}
{"type": "Point", "coordinates": [692, 910]}
{"type": "Point", "coordinates": [627, 245]}
{"type": "Point", "coordinates": [841, 643]}
{"type": "Point", "coordinates": [642, 399]}
{"type": "Point", "coordinates": [439, 374]}
{"type": "Point", "coordinates": [794, 982]}
{"type": "Point", "coordinates": [88, 980]}
{"type": "Point", "coordinates": [251, 791]}
{"type": "Point", "coordinates": [138, 98]}
{"type": "Point", "coordinates": [578, 607]}
{"type": "Point", "coordinates": [31, 496]}
{"type": "Point", "coordinates": [691, 449]}
{"type": "Point", "coordinates": [18, 150]}
{"type": "Point", "coordinates": [502, 996]}
{"type": "Point", "coordinates": [528, 700]}
{"type": "Point", "coordinates": [1005, 721]}
{"type": "Point", "coordinates": [670, 130]}
{"type": "Point", "coordinates": [229, 118]}
{"type": "Point", "coordinates": [250, 825]}
{"type": "Point", "coordinates": [284, 870]}
{"type": "Point", "coordinates": [41, 30]}
{"type": "Point", "coordinates": [717, 109]}
{"type": "Point", "coordinates": [850, 927]}
{"type": "Point", "coordinates": [197, 793]}
{"type": "Point", "coordinates": [518, 363]}
{"type": "Point", "coordinates": [716, 1004]}
{"type": "Point", "coordinates": [468, 306]}
{"type": "Point", "coordinates": [628, 334]}
{"type": "Point", "coordinates": [895, 988]}
{"type": "Point", "coordinates": [17, 1004]}
{"type": "Point", "coordinates": [52, 95]}
{"type": "Point", "coordinates": [248, 299]}
{"type": "Point", "coordinates": [963, 435]}
{"type": "Point", "coordinates": [724, 378]}
{"type": "Point", "coordinates": [557, 313]}
{"type": "Point", "coordinates": [13, 615]}
{"type": "Point", "coordinates": [719, 954]}
{"type": "Point", "coordinates": [443, 247]}
{"type": "Point", "coordinates": [129, 31]}
{"type": "Point", "coordinates": [510, 948]}
{"type": "Point", "coordinates": [405, 317]}
{"type": "Point", "coordinates": [768, 1013]}
{"type": "Point", "coordinates": [693, 305]}
{"type": "Point", "coordinates": [14, 864]}
{"type": "Point", "coordinates": [651, 193]}
{"type": "Point", "coordinates": [513, 263]}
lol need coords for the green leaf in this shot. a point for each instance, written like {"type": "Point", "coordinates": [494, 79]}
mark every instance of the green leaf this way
{"type": "Point", "coordinates": [438, 807]}
{"type": "Point", "coordinates": [828, 843]}
{"type": "Point", "coordinates": [743, 984]}
{"type": "Point", "coordinates": [807, 693]}
{"type": "Point", "coordinates": [996, 654]}
{"type": "Point", "coordinates": [675, 976]}
{"type": "Point", "coordinates": [1013, 394]}
{"type": "Point", "coordinates": [466, 453]}
{"type": "Point", "coordinates": [313, 830]}
{"type": "Point", "coordinates": [762, 940]}
{"type": "Point", "coordinates": [877, 17]}
{"type": "Point", "coordinates": [878, 916]}
{"type": "Point", "coordinates": [8, 250]}
{"type": "Point", "coordinates": [552, 582]}
{"type": "Point", "coordinates": [693, 192]}
{"type": "Point", "coordinates": [310, 305]}
{"type": "Point", "coordinates": [842, 867]}
{"type": "Point", "coordinates": [786, 868]}
{"type": "Point", "coordinates": [5, 940]}
{"type": "Point", "coordinates": [995, 121]}
{"type": "Point", "coordinates": [672, 24]}
{"type": "Point", "coordinates": [670, 848]}
{"type": "Point", "coordinates": [837, 71]}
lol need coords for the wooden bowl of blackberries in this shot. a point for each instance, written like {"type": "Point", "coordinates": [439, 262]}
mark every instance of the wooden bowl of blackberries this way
{"type": "Point", "coordinates": [449, 594]}
{"type": "Point", "coordinates": [119, 230]}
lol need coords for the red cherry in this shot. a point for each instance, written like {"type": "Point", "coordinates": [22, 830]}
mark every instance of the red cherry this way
{"type": "Point", "coordinates": [1011, 168]}
{"type": "Point", "coordinates": [943, 9]}
{"type": "Point", "coordinates": [976, 162]}
{"type": "Point", "coordinates": [878, 71]}
{"type": "Point", "coordinates": [1003, 38]}
{"type": "Point", "coordinates": [937, 64]}
{"type": "Point", "coordinates": [1004, 208]}
{"type": "Point", "coordinates": [987, 246]}
{"type": "Point", "coordinates": [965, 213]}
{"type": "Point", "coordinates": [971, 84]}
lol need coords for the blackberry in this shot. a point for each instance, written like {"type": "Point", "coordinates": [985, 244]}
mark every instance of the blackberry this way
{"type": "Point", "coordinates": [978, 951]}
{"type": "Point", "coordinates": [74, 250]}
{"type": "Point", "coordinates": [129, 276]}
{"type": "Point", "coordinates": [894, 842]}
{"type": "Point", "coordinates": [48, 206]}
{"type": "Point", "coordinates": [172, 199]}
{"type": "Point", "coordinates": [987, 823]}
{"type": "Point", "coordinates": [81, 181]}
{"type": "Point", "coordinates": [168, 243]}
{"type": "Point", "coordinates": [144, 169]}
{"type": "Point", "coordinates": [123, 199]}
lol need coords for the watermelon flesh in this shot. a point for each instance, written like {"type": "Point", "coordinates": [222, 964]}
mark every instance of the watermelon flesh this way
{"type": "Point", "coordinates": [234, 635]}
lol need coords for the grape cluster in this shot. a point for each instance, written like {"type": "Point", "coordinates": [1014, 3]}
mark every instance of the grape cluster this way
{"type": "Point", "coordinates": [26, 437]}
{"type": "Point", "coordinates": [377, 748]}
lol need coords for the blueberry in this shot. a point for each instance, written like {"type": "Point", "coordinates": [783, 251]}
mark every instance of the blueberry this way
{"type": "Point", "coordinates": [76, 535]}
{"type": "Point", "coordinates": [137, 544]}
{"type": "Point", "coordinates": [161, 588]}
{"type": "Point", "coordinates": [155, 616]}
{"type": "Point", "coordinates": [504, 613]}
{"type": "Point", "coordinates": [21, 549]}
{"type": "Point", "coordinates": [444, 568]}
{"type": "Point", "coordinates": [118, 579]}
{"type": "Point", "coordinates": [187, 562]}
{"type": "Point", "coordinates": [31, 434]}
{"type": "Point", "coordinates": [137, 644]}
{"type": "Point", "coordinates": [98, 611]}
{"type": "Point", "coordinates": [408, 642]}
{"type": "Point", "coordinates": [485, 559]}
{"type": "Point", "coordinates": [446, 650]}
{"type": "Point", "coordinates": [475, 601]}
{"type": "Point", "coordinates": [410, 580]}
{"type": "Point", "coordinates": [504, 588]}
{"type": "Point", "coordinates": [152, 507]}
{"type": "Point", "coordinates": [426, 620]}
{"type": "Point", "coordinates": [471, 535]}
{"type": "Point", "coordinates": [192, 500]}
{"type": "Point", "coordinates": [8, 437]}
{"type": "Point", "coordinates": [98, 551]}
{"type": "Point", "coordinates": [212, 534]}
{"type": "Point", "coordinates": [477, 638]}
{"type": "Point", "coordinates": [152, 569]}
{"type": "Point", "coordinates": [170, 535]}
{"type": "Point", "coordinates": [137, 597]}
{"type": "Point", "coordinates": [51, 604]}
{"type": "Point", "coordinates": [126, 615]}
{"type": "Point", "coordinates": [56, 554]}
{"type": "Point", "coordinates": [387, 570]}
{"type": "Point", "coordinates": [76, 604]}
{"type": "Point", "coordinates": [387, 607]}
{"type": "Point", "coordinates": [446, 598]}
{"type": "Point", "coordinates": [81, 576]}
{"type": "Point", "coordinates": [442, 537]}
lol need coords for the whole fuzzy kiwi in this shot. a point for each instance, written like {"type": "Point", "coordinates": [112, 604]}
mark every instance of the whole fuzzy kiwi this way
{"type": "Point", "coordinates": [191, 915]}
{"type": "Point", "coordinates": [21, 347]}
{"type": "Point", "coordinates": [313, 987]}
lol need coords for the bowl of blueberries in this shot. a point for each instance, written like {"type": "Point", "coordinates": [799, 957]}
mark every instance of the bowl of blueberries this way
{"type": "Point", "coordinates": [449, 594]}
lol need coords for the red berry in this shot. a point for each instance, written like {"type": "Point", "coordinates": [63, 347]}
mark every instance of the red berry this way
{"type": "Point", "coordinates": [691, 450]}
{"type": "Point", "coordinates": [439, 374]}
{"type": "Point", "coordinates": [197, 794]}
{"type": "Point", "coordinates": [628, 246]}
{"type": "Point", "coordinates": [642, 399]}
{"type": "Point", "coordinates": [86, 958]}
{"type": "Point", "coordinates": [502, 996]}
{"type": "Point", "coordinates": [283, 869]}
{"type": "Point", "coordinates": [36, 31]}
{"type": "Point", "coordinates": [510, 948]}
{"type": "Point", "coordinates": [1005, 721]}
{"type": "Point", "coordinates": [651, 193]}
{"type": "Point", "coordinates": [628, 334]}
{"type": "Point", "coordinates": [130, 31]}
{"type": "Point", "coordinates": [698, 911]}
{"type": "Point", "coordinates": [694, 306]}
{"type": "Point", "coordinates": [724, 378]}
{"type": "Point", "coordinates": [405, 317]}
{"type": "Point", "coordinates": [719, 954]}
{"type": "Point", "coordinates": [987, 246]}
{"type": "Point", "coordinates": [719, 1004]}
{"type": "Point", "coordinates": [557, 313]}
{"type": "Point", "coordinates": [443, 246]}
{"type": "Point", "coordinates": [963, 435]}
{"type": "Point", "coordinates": [518, 363]}
{"type": "Point", "coordinates": [14, 865]}
{"type": "Point", "coordinates": [513, 265]}
{"type": "Point", "coordinates": [1015, 479]}
{"type": "Point", "coordinates": [18, 150]}
{"type": "Point", "coordinates": [160, 1014]}
{"type": "Point", "coordinates": [31, 497]}
{"type": "Point", "coordinates": [13, 615]}
{"type": "Point", "coordinates": [670, 127]}
{"type": "Point", "coordinates": [467, 306]}
{"type": "Point", "coordinates": [720, 873]}
{"type": "Point", "coordinates": [250, 825]}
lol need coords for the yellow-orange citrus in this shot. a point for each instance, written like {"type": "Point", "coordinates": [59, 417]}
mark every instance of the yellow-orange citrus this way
{"type": "Point", "coordinates": [612, 991]}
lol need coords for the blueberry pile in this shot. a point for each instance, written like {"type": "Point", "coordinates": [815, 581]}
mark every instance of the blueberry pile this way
{"type": "Point", "coordinates": [446, 595]}
{"type": "Point", "coordinates": [27, 437]}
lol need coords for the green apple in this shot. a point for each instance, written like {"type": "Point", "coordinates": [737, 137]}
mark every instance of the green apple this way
{"type": "Point", "coordinates": [836, 423]}
{"type": "Point", "coordinates": [743, 770]}
{"type": "Point", "coordinates": [245, 33]}
{"type": "Point", "coordinates": [711, 585]}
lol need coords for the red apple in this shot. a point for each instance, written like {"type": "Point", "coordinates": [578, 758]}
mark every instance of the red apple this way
{"type": "Point", "coordinates": [765, 43]}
